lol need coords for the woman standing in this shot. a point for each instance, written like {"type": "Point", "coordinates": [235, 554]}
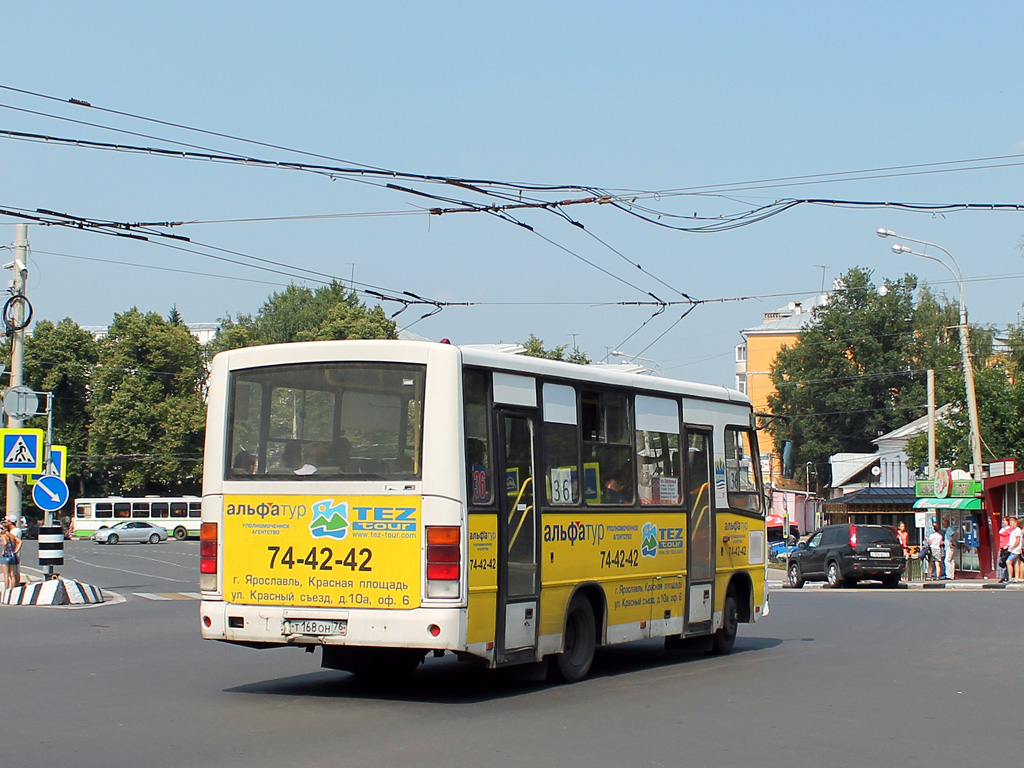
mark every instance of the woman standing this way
{"type": "Point", "coordinates": [9, 546]}
{"type": "Point", "coordinates": [903, 535]}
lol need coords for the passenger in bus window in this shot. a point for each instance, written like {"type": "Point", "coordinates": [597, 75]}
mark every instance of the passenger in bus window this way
{"type": "Point", "coordinates": [291, 456]}
{"type": "Point", "coordinates": [245, 463]}
{"type": "Point", "coordinates": [342, 450]}
{"type": "Point", "coordinates": [618, 489]}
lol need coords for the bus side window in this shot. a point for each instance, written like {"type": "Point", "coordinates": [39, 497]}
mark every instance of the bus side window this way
{"type": "Point", "coordinates": [608, 450]}
{"type": "Point", "coordinates": [741, 470]}
{"type": "Point", "coordinates": [479, 476]}
{"type": "Point", "coordinates": [560, 437]}
{"type": "Point", "coordinates": [657, 450]}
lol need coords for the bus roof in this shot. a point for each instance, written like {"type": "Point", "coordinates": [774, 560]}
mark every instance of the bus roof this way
{"type": "Point", "coordinates": [419, 351]}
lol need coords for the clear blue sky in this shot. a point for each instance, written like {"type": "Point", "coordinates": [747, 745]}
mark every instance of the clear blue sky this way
{"type": "Point", "coordinates": [650, 97]}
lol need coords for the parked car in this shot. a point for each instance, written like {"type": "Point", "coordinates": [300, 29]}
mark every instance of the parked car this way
{"type": "Point", "coordinates": [847, 553]}
{"type": "Point", "coordinates": [130, 530]}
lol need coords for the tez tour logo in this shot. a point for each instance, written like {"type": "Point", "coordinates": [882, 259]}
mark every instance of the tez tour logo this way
{"type": "Point", "coordinates": [330, 520]}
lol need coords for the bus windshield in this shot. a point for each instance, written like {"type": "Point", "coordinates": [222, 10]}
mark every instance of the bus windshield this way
{"type": "Point", "coordinates": [349, 421]}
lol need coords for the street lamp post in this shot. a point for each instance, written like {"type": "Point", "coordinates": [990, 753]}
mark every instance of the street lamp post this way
{"type": "Point", "coordinates": [965, 344]}
{"type": "Point", "coordinates": [808, 468]}
{"type": "Point", "coordinates": [657, 366]}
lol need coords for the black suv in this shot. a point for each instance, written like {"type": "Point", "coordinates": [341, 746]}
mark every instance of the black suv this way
{"type": "Point", "coordinates": [845, 554]}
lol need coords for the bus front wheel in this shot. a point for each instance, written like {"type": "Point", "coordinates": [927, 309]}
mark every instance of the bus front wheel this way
{"type": "Point", "coordinates": [579, 642]}
{"type": "Point", "coordinates": [180, 533]}
{"type": "Point", "coordinates": [724, 639]}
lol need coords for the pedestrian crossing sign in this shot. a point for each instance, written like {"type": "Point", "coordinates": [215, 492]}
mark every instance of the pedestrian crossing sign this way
{"type": "Point", "coordinates": [22, 451]}
{"type": "Point", "coordinates": [58, 465]}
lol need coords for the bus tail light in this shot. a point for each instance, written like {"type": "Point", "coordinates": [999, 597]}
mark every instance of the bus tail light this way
{"type": "Point", "coordinates": [208, 557]}
{"type": "Point", "coordinates": [444, 559]}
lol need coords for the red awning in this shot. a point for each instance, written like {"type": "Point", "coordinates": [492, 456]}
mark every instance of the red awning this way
{"type": "Point", "coordinates": [773, 521]}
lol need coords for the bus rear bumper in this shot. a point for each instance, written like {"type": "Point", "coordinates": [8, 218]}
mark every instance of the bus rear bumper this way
{"type": "Point", "coordinates": [427, 628]}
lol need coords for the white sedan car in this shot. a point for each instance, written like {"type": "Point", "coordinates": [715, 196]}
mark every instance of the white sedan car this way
{"type": "Point", "coordinates": [131, 530]}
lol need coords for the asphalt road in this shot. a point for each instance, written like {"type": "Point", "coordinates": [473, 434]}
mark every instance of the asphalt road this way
{"type": "Point", "coordinates": [845, 678]}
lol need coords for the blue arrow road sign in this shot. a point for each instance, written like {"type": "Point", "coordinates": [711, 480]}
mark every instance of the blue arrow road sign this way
{"type": "Point", "coordinates": [50, 493]}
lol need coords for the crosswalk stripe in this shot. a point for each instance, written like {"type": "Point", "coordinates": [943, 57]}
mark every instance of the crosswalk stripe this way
{"type": "Point", "coordinates": [168, 595]}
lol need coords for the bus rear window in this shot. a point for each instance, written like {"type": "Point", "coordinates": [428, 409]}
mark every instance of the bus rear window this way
{"type": "Point", "coordinates": [344, 421]}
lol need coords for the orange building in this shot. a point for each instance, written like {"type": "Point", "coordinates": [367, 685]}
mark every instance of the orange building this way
{"type": "Point", "coordinates": [754, 357]}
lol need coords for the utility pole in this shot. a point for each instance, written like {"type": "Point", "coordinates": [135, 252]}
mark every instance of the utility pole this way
{"type": "Point", "coordinates": [931, 423]}
{"type": "Point", "coordinates": [20, 270]}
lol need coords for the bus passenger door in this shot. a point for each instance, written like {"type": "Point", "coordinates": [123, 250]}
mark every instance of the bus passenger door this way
{"type": "Point", "coordinates": [700, 561]}
{"type": "Point", "coordinates": [518, 566]}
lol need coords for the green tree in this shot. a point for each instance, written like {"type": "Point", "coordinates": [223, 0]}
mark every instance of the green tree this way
{"type": "Point", "coordinates": [59, 359]}
{"type": "Point", "coordinates": [1000, 417]}
{"type": "Point", "coordinates": [535, 348]}
{"type": "Point", "coordinates": [147, 406]}
{"type": "Point", "coordinates": [857, 370]}
{"type": "Point", "coordinates": [303, 314]}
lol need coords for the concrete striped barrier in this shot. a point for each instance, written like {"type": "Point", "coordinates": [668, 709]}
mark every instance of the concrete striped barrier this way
{"type": "Point", "coordinates": [52, 592]}
{"type": "Point", "coordinates": [51, 545]}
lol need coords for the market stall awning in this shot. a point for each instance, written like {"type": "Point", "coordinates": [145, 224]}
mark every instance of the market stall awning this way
{"type": "Point", "coordinates": [874, 497]}
{"type": "Point", "coordinates": [951, 503]}
{"type": "Point", "coordinates": [774, 521]}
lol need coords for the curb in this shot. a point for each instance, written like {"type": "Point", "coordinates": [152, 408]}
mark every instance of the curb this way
{"type": "Point", "coordinates": [929, 586]}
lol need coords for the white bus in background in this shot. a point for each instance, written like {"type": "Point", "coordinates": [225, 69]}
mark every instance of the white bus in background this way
{"type": "Point", "coordinates": [180, 515]}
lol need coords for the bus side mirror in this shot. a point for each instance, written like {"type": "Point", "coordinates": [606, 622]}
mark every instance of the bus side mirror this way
{"type": "Point", "coordinates": [788, 467]}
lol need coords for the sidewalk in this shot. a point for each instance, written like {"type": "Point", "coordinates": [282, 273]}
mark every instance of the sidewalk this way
{"type": "Point", "coordinates": [956, 584]}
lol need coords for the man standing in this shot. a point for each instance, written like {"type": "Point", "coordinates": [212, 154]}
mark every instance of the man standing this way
{"type": "Point", "coordinates": [935, 551]}
{"type": "Point", "coordinates": [950, 535]}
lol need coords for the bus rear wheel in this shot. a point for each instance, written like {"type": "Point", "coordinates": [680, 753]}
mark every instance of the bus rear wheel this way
{"type": "Point", "coordinates": [180, 533]}
{"type": "Point", "coordinates": [579, 642]}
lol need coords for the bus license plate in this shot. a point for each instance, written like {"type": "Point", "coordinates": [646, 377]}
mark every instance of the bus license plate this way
{"type": "Point", "coordinates": [317, 627]}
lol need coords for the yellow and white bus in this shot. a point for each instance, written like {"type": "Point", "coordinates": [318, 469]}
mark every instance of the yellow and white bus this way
{"type": "Point", "coordinates": [388, 499]}
{"type": "Point", "coordinates": [180, 515]}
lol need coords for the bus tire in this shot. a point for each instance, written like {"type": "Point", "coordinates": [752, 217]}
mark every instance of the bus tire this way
{"type": "Point", "coordinates": [180, 533]}
{"type": "Point", "coordinates": [724, 638]}
{"type": "Point", "coordinates": [579, 641]}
